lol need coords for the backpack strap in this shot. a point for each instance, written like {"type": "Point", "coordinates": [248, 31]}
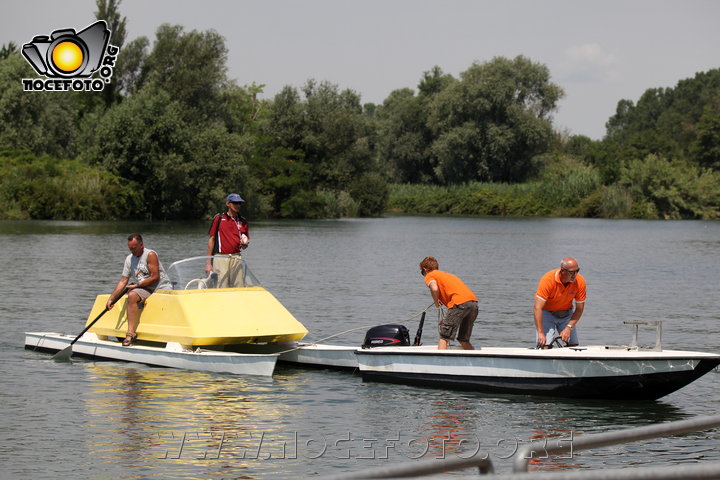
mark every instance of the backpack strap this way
{"type": "Point", "coordinates": [216, 246]}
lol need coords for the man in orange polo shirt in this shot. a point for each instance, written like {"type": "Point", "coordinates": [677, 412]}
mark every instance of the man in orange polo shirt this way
{"type": "Point", "coordinates": [553, 311]}
{"type": "Point", "coordinates": [461, 302]}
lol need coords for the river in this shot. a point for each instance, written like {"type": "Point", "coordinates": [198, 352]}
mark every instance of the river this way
{"type": "Point", "coordinates": [99, 420]}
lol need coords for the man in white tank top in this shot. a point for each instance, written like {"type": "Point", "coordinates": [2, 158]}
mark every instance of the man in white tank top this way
{"type": "Point", "coordinates": [144, 268]}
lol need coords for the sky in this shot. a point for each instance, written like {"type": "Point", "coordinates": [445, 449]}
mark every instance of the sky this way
{"type": "Point", "coordinates": [598, 51]}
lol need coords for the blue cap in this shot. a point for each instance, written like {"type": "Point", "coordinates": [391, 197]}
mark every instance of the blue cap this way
{"type": "Point", "coordinates": [234, 197]}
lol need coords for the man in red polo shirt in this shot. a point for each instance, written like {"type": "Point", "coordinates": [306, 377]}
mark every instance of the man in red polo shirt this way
{"type": "Point", "coordinates": [553, 311]}
{"type": "Point", "coordinates": [229, 236]}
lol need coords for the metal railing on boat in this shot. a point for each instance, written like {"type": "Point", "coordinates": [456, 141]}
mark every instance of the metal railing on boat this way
{"type": "Point", "coordinates": [658, 333]}
{"type": "Point", "coordinates": [481, 460]}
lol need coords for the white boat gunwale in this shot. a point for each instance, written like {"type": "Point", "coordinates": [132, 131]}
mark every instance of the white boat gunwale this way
{"type": "Point", "coordinates": [569, 353]}
{"type": "Point", "coordinates": [168, 356]}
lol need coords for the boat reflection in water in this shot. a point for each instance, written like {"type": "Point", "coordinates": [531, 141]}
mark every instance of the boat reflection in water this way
{"type": "Point", "coordinates": [183, 420]}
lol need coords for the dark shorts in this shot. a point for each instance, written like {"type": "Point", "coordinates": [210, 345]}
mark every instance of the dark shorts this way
{"type": "Point", "coordinates": [459, 320]}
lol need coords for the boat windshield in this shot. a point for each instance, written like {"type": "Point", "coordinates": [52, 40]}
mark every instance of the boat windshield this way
{"type": "Point", "coordinates": [198, 273]}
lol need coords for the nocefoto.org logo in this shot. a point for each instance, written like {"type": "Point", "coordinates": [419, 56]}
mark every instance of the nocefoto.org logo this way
{"type": "Point", "coordinates": [68, 59]}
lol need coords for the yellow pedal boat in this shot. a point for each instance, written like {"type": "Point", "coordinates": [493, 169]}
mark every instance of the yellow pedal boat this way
{"type": "Point", "coordinates": [203, 310]}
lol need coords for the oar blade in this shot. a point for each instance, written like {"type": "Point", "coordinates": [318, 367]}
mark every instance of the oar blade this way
{"type": "Point", "coordinates": [64, 354]}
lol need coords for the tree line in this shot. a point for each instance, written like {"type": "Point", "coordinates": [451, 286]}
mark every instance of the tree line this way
{"type": "Point", "coordinates": [172, 134]}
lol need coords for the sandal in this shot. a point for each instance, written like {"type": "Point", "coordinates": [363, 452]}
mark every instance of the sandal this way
{"type": "Point", "coordinates": [129, 339]}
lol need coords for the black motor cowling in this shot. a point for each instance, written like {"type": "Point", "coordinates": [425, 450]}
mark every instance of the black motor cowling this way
{"type": "Point", "coordinates": [387, 336]}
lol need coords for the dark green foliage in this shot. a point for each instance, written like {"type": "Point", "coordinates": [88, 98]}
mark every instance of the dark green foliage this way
{"type": "Point", "coordinates": [705, 149]}
{"type": "Point", "coordinates": [42, 122]}
{"type": "Point", "coordinates": [664, 120]}
{"type": "Point", "coordinates": [671, 189]}
{"type": "Point", "coordinates": [184, 169]}
{"type": "Point", "coordinates": [404, 135]}
{"type": "Point", "coordinates": [566, 180]}
{"type": "Point", "coordinates": [172, 135]}
{"type": "Point", "coordinates": [108, 10]}
{"type": "Point", "coordinates": [303, 204]}
{"type": "Point", "coordinates": [371, 193]}
{"type": "Point", "coordinates": [403, 138]}
{"type": "Point", "coordinates": [43, 187]}
{"type": "Point", "coordinates": [313, 152]}
{"type": "Point", "coordinates": [7, 50]}
{"type": "Point", "coordinates": [490, 123]}
{"type": "Point", "coordinates": [483, 199]}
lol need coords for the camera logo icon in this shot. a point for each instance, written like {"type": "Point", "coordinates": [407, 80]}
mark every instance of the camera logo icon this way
{"type": "Point", "coordinates": [68, 59]}
{"type": "Point", "coordinates": [67, 54]}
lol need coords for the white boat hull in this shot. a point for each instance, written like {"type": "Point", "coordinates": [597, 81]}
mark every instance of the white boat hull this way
{"type": "Point", "coordinates": [585, 372]}
{"type": "Point", "coordinates": [322, 356]}
{"type": "Point", "coordinates": [172, 356]}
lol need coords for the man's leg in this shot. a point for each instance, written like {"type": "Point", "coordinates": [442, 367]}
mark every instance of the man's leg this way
{"type": "Point", "coordinates": [470, 311]}
{"type": "Point", "coordinates": [549, 324]}
{"type": "Point", "coordinates": [466, 345]}
{"type": "Point", "coordinates": [132, 313]}
{"type": "Point", "coordinates": [448, 327]}
{"type": "Point", "coordinates": [135, 300]}
{"type": "Point", "coordinates": [573, 340]}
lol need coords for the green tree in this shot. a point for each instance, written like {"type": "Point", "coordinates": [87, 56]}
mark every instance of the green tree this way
{"type": "Point", "coordinates": [705, 150]}
{"type": "Point", "coordinates": [129, 66]}
{"type": "Point", "coordinates": [44, 187]}
{"type": "Point", "coordinates": [7, 50]}
{"type": "Point", "coordinates": [666, 189]}
{"type": "Point", "coordinates": [42, 122]}
{"type": "Point", "coordinates": [183, 168]}
{"type": "Point", "coordinates": [183, 132]}
{"type": "Point", "coordinates": [192, 66]}
{"type": "Point", "coordinates": [280, 174]}
{"type": "Point", "coordinates": [108, 10]}
{"type": "Point", "coordinates": [491, 122]}
{"type": "Point", "coordinates": [405, 140]}
{"type": "Point", "coordinates": [403, 143]}
{"type": "Point", "coordinates": [664, 120]}
{"type": "Point", "coordinates": [335, 136]}
{"type": "Point", "coordinates": [371, 192]}
{"type": "Point", "coordinates": [566, 180]}
{"type": "Point", "coordinates": [317, 145]}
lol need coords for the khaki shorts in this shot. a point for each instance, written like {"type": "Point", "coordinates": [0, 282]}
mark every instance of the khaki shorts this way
{"type": "Point", "coordinates": [142, 293]}
{"type": "Point", "coordinates": [460, 319]}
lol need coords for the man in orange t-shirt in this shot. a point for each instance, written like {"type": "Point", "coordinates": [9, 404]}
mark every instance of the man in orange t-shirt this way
{"type": "Point", "coordinates": [553, 311]}
{"type": "Point", "coordinates": [449, 290]}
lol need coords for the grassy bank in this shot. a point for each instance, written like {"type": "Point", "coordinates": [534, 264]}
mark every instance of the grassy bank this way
{"type": "Point", "coordinates": [651, 188]}
{"type": "Point", "coordinates": [486, 199]}
{"type": "Point", "coordinates": [42, 187]}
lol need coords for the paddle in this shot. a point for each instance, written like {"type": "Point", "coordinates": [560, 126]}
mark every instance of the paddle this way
{"type": "Point", "coordinates": [65, 354]}
{"type": "Point", "coordinates": [418, 334]}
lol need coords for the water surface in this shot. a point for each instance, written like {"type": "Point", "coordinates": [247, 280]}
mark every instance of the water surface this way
{"type": "Point", "coordinates": [116, 420]}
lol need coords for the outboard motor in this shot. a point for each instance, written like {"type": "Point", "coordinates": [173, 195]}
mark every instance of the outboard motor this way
{"type": "Point", "coordinates": [387, 336]}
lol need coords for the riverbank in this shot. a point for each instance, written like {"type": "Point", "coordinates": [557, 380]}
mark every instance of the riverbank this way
{"type": "Point", "coordinates": [575, 196]}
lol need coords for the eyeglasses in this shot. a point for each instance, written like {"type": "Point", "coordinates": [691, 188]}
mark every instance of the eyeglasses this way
{"type": "Point", "coordinates": [571, 272]}
{"type": "Point", "coordinates": [236, 203]}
